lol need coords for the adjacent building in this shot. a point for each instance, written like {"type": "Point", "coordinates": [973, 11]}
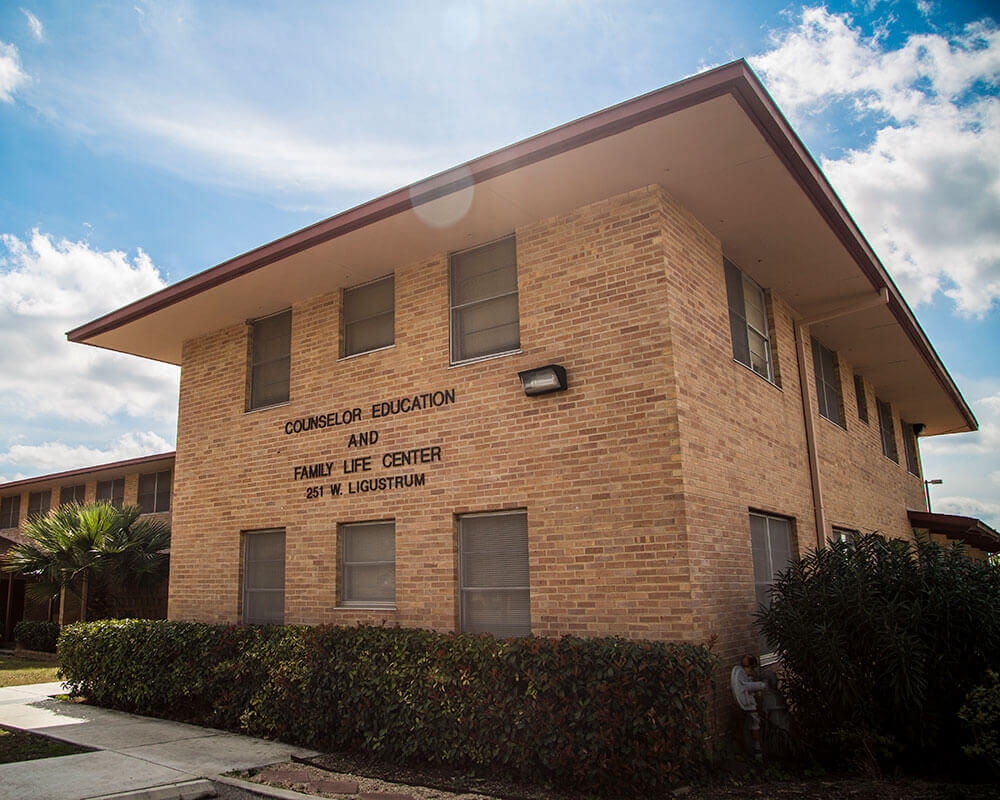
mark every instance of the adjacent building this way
{"type": "Point", "coordinates": [145, 482]}
{"type": "Point", "coordinates": [607, 380]}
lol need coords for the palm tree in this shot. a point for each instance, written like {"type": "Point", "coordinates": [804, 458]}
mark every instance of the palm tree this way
{"type": "Point", "coordinates": [95, 551]}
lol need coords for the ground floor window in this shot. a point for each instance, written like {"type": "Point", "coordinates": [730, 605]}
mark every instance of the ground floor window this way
{"type": "Point", "coordinates": [368, 564]}
{"type": "Point", "coordinates": [771, 542]}
{"type": "Point", "coordinates": [841, 534]}
{"type": "Point", "coordinates": [493, 573]}
{"type": "Point", "coordinates": [264, 577]}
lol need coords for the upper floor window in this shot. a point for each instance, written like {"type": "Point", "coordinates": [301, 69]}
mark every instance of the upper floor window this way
{"type": "Point", "coordinates": [270, 359]}
{"type": "Point", "coordinates": [38, 503]}
{"type": "Point", "coordinates": [888, 430]}
{"type": "Point", "coordinates": [112, 492]}
{"type": "Point", "coordinates": [827, 383]}
{"type": "Point", "coordinates": [10, 511]}
{"type": "Point", "coordinates": [484, 314]}
{"type": "Point", "coordinates": [910, 448]}
{"type": "Point", "coordinates": [72, 494]}
{"type": "Point", "coordinates": [748, 322]}
{"type": "Point", "coordinates": [493, 573]}
{"type": "Point", "coordinates": [368, 564]}
{"type": "Point", "coordinates": [859, 393]}
{"type": "Point", "coordinates": [369, 316]}
{"type": "Point", "coordinates": [154, 492]}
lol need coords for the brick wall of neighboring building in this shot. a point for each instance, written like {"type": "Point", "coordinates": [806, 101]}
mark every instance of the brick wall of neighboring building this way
{"type": "Point", "coordinates": [638, 480]}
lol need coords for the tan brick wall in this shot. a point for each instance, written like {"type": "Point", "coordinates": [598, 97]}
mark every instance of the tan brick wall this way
{"type": "Point", "coordinates": [637, 481]}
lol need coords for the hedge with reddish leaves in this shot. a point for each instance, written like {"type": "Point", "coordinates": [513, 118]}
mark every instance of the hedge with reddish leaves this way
{"type": "Point", "coordinates": [600, 712]}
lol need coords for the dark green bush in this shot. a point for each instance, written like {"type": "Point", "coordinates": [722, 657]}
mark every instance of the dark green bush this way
{"type": "Point", "coordinates": [981, 713]}
{"type": "Point", "coordinates": [881, 640]}
{"type": "Point", "coordinates": [586, 712]}
{"type": "Point", "coordinates": [37, 635]}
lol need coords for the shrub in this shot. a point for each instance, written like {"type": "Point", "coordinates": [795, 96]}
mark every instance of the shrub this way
{"type": "Point", "coordinates": [981, 713]}
{"type": "Point", "coordinates": [37, 635]}
{"type": "Point", "coordinates": [594, 712]}
{"type": "Point", "coordinates": [881, 640]}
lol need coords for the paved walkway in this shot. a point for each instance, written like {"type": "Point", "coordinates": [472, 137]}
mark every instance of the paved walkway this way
{"type": "Point", "coordinates": [131, 752]}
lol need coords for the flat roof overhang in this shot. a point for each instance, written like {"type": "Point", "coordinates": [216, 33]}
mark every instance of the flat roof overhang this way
{"type": "Point", "coordinates": [716, 142]}
{"type": "Point", "coordinates": [100, 472]}
{"type": "Point", "coordinates": [971, 530]}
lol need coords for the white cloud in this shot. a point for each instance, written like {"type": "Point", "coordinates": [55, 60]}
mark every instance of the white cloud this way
{"type": "Point", "coordinates": [37, 30]}
{"type": "Point", "coordinates": [926, 189]}
{"type": "Point", "coordinates": [969, 507]}
{"type": "Point", "coordinates": [47, 457]}
{"type": "Point", "coordinates": [48, 287]}
{"type": "Point", "coordinates": [12, 76]}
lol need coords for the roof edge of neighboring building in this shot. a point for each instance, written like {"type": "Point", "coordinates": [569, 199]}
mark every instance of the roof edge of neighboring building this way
{"type": "Point", "coordinates": [72, 473]}
{"type": "Point", "coordinates": [735, 78]}
{"type": "Point", "coordinates": [971, 530]}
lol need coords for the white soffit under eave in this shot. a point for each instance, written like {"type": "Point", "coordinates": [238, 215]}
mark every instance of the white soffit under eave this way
{"type": "Point", "coordinates": [710, 158]}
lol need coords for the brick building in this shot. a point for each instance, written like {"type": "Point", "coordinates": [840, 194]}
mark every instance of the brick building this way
{"type": "Point", "coordinates": [144, 482]}
{"type": "Point", "coordinates": [738, 379]}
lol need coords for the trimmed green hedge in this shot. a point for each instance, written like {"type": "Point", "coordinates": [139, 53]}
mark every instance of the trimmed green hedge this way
{"type": "Point", "coordinates": [586, 712]}
{"type": "Point", "coordinates": [37, 635]}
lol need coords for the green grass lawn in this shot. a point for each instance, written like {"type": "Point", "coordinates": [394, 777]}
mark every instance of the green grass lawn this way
{"type": "Point", "coordinates": [18, 745]}
{"type": "Point", "coordinates": [20, 671]}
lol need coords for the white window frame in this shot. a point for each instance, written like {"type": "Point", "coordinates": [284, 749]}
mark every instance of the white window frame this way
{"type": "Point", "coordinates": [254, 364]}
{"type": "Point", "coordinates": [770, 559]}
{"type": "Point", "coordinates": [246, 572]}
{"type": "Point", "coordinates": [749, 284]}
{"type": "Point", "coordinates": [452, 307]}
{"type": "Point", "coordinates": [463, 589]}
{"type": "Point", "coordinates": [344, 324]}
{"type": "Point", "coordinates": [346, 528]}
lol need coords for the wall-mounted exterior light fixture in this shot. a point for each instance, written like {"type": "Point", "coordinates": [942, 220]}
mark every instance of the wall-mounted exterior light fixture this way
{"type": "Point", "coordinates": [543, 380]}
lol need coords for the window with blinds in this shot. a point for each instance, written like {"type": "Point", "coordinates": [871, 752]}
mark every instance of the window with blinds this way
{"type": "Point", "coordinates": [369, 317]}
{"type": "Point", "coordinates": [771, 543]}
{"type": "Point", "coordinates": [484, 314]}
{"type": "Point", "coordinates": [72, 494]}
{"type": "Point", "coordinates": [910, 448]}
{"type": "Point", "coordinates": [10, 511]}
{"type": "Point", "coordinates": [748, 322]}
{"type": "Point", "coordinates": [264, 577]}
{"type": "Point", "coordinates": [827, 383]}
{"type": "Point", "coordinates": [112, 492]}
{"type": "Point", "coordinates": [38, 503]}
{"type": "Point", "coordinates": [493, 573]}
{"type": "Point", "coordinates": [154, 492]}
{"type": "Point", "coordinates": [859, 393]}
{"type": "Point", "coordinates": [368, 564]}
{"type": "Point", "coordinates": [888, 430]}
{"type": "Point", "coordinates": [270, 359]}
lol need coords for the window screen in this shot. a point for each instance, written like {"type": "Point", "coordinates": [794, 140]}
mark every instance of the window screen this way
{"type": "Point", "coordinates": [270, 361]}
{"type": "Point", "coordinates": [39, 502]}
{"type": "Point", "coordinates": [748, 322]}
{"type": "Point", "coordinates": [264, 577]}
{"type": "Point", "coordinates": [493, 551]}
{"type": "Point", "coordinates": [888, 430]}
{"type": "Point", "coordinates": [771, 542]}
{"type": "Point", "coordinates": [154, 492]}
{"type": "Point", "coordinates": [10, 511]}
{"type": "Point", "coordinates": [910, 447]}
{"type": "Point", "coordinates": [484, 315]}
{"type": "Point", "coordinates": [369, 316]}
{"type": "Point", "coordinates": [72, 494]}
{"type": "Point", "coordinates": [112, 492]}
{"type": "Point", "coordinates": [368, 563]}
{"type": "Point", "coordinates": [827, 383]}
{"type": "Point", "coordinates": [859, 393]}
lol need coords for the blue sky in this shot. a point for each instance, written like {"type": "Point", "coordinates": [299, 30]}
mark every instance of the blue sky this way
{"type": "Point", "coordinates": [143, 142]}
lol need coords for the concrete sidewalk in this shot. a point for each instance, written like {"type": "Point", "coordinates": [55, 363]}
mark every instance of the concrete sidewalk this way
{"type": "Point", "coordinates": [131, 752]}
